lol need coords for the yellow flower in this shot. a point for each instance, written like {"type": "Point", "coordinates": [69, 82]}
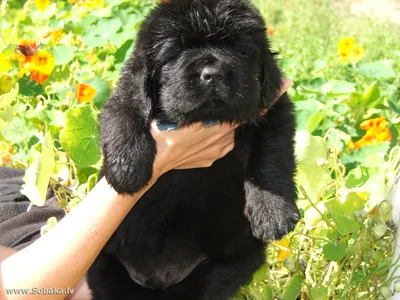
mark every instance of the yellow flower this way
{"type": "Point", "coordinates": [88, 3]}
{"type": "Point", "coordinates": [84, 93]}
{"type": "Point", "coordinates": [42, 64]}
{"type": "Point", "coordinates": [284, 250]}
{"type": "Point", "coordinates": [377, 132]}
{"type": "Point", "coordinates": [42, 4]}
{"type": "Point", "coordinates": [56, 35]}
{"type": "Point", "coordinates": [5, 83]}
{"type": "Point", "coordinates": [346, 45]}
{"type": "Point", "coordinates": [348, 51]}
{"type": "Point", "coordinates": [357, 53]}
{"type": "Point", "coordinates": [5, 63]}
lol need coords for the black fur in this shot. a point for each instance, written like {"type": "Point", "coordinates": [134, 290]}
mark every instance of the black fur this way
{"type": "Point", "coordinates": [200, 233]}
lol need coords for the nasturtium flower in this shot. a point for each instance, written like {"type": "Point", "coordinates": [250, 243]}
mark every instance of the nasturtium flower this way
{"type": "Point", "coordinates": [357, 53]}
{"type": "Point", "coordinates": [270, 30]}
{"type": "Point", "coordinates": [284, 250]}
{"type": "Point", "coordinates": [55, 35]}
{"type": "Point", "coordinates": [88, 3]}
{"type": "Point", "coordinates": [42, 64]}
{"type": "Point", "coordinates": [349, 51]}
{"type": "Point", "coordinates": [5, 63]}
{"type": "Point", "coordinates": [42, 4]}
{"type": "Point", "coordinates": [346, 45]}
{"type": "Point", "coordinates": [377, 132]}
{"type": "Point", "coordinates": [84, 93]}
{"type": "Point", "coordinates": [5, 83]}
{"type": "Point", "coordinates": [372, 123]}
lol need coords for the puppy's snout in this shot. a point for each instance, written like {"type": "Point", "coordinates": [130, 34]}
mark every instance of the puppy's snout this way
{"type": "Point", "coordinates": [212, 75]}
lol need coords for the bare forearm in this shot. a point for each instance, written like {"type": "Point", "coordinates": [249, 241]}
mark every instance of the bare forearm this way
{"type": "Point", "coordinates": [62, 256]}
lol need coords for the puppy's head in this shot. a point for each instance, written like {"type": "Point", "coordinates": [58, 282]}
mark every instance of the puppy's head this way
{"type": "Point", "coordinates": [209, 60]}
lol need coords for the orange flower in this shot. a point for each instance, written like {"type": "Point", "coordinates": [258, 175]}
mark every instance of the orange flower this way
{"type": "Point", "coordinates": [377, 132]}
{"type": "Point", "coordinates": [84, 93]}
{"type": "Point", "coordinates": [42, 64]}
{"type": "Point", "coordinates": [372, 123]}
{"type": "Point", "coordinates": [270, 30]}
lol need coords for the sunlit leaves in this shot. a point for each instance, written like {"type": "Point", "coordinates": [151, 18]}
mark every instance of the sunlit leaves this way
{"type": "Point", "coordinates": [101, 32]}
{"type": "Point", "coordinates": [37, 176]}
{"type": "Point", "coordinates": [80, 137]}
{"type": "Point", "coordinates": [378, 69]}
{"type": "Point", "coordinates": [343, 212]}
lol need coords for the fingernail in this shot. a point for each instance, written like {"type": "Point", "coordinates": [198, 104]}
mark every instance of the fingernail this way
{"type": "Point", "coordinates": [211, 123]}
{"type": "Point", "coordinates": [166, 127]}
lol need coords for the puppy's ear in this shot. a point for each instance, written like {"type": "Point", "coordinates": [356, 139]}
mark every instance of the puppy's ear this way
{"type": "Point", "coordinates": [270, 78]}
{"type": "Point", "coordinates": [128, 147]}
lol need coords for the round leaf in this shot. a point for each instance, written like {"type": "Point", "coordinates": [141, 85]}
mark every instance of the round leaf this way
{"type": "Point", "coordinates": [80, 137]}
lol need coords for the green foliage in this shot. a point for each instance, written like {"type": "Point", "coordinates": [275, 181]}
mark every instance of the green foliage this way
{"type": "Point", "coordinates": [341, 249]}
{"type": "Point", "coordinates": [80, 136]}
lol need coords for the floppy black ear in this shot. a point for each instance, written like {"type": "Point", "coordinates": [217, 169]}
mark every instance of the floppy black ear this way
{"type": "Point", "coordinates": [128, 147]}
{"type": "Point", "coordinates": [270, 77]}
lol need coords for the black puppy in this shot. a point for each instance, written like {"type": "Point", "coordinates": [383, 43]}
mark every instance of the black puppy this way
{"type": "Point", "coordinates": [201, 233]}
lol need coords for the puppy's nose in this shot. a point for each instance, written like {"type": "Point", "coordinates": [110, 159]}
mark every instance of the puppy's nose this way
{"type": "Point", "coordinates": [211, 75]}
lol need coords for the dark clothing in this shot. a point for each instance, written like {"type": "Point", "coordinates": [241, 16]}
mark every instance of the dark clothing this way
{"type": "Point", "coordinates": [18, 227]}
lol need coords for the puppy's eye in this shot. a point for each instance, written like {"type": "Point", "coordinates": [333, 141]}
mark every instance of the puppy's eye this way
{"type": "Point", "coordinates": [243, 52]}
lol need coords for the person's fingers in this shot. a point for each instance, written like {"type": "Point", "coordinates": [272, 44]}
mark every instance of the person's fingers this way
{"type": "Point", "coordinates": [210, 151]}
{"type": "Point", "coordinates": [207, 162]}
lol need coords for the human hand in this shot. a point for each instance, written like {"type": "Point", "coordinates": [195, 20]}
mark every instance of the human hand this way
{"type": "Point", "coordinates": [196, 146]}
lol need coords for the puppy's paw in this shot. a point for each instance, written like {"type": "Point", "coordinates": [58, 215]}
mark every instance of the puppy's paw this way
{"type": "Point", "coordinates": [128, 161]}
{"type": "Point", "coordinates": [127, 176]}
{"type": "Point", "coordinates": [270, 216]}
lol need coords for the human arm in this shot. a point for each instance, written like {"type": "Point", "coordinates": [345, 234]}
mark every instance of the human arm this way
{"type": "Point", "coordinates": [62, 256]}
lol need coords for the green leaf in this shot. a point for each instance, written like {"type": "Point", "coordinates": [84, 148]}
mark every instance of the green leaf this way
{"type": "Point", "coordinates": [6, 116]}
{"type": "Point", "coordinates": [37, 176]}
{"type": "Point", "coordinates": [371, 94]}
{"type": "Point", "coordinates": [17, 131]}
{"type": "Point", "coordinates": [28, 87]}
{"type": "Point", "coordinates": [312, 216]}
{"type": "Point", "coordinates": [8, 98]}
{"type": "Point", "coordinates": [97, 35]}
{"type": "Point", "coordinates": [343, 213]}
{"type": "Point", "coordinates": [267, 293]}
{"type": "Point", "coordinates": [313, 157]}
{"type": "Point", "coordinates": [355, 99]}
{"type": "Point", "coordinates": [334, 252]}
{"type": "Point", "coordinates": [314, 121]}
{"type": "Point", "coordinates": [292, 291]}
{"type": "Point", "coordinates": [319, 293]}
{"type": "Point", "coordinates": [378, 69]}
{"type": "Point", "coordinates": [357, 177]}
{"type": "Point", "coordinates": [395, 107]}
{"type": "Point", "coordinates": [338, 87]}
{"type": "Point", "coordinates": [261, 274]}
{"type": "Point", "coordinates": [63, 54]}
{"type": "Point", "coordinates": [122, 51]}
{"type": "Point", "coordinates": [51, 223]}
{"type": "Point", "coordinates": [103, 90]}
{"type": "Point", "coordinates": [80, 137]}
